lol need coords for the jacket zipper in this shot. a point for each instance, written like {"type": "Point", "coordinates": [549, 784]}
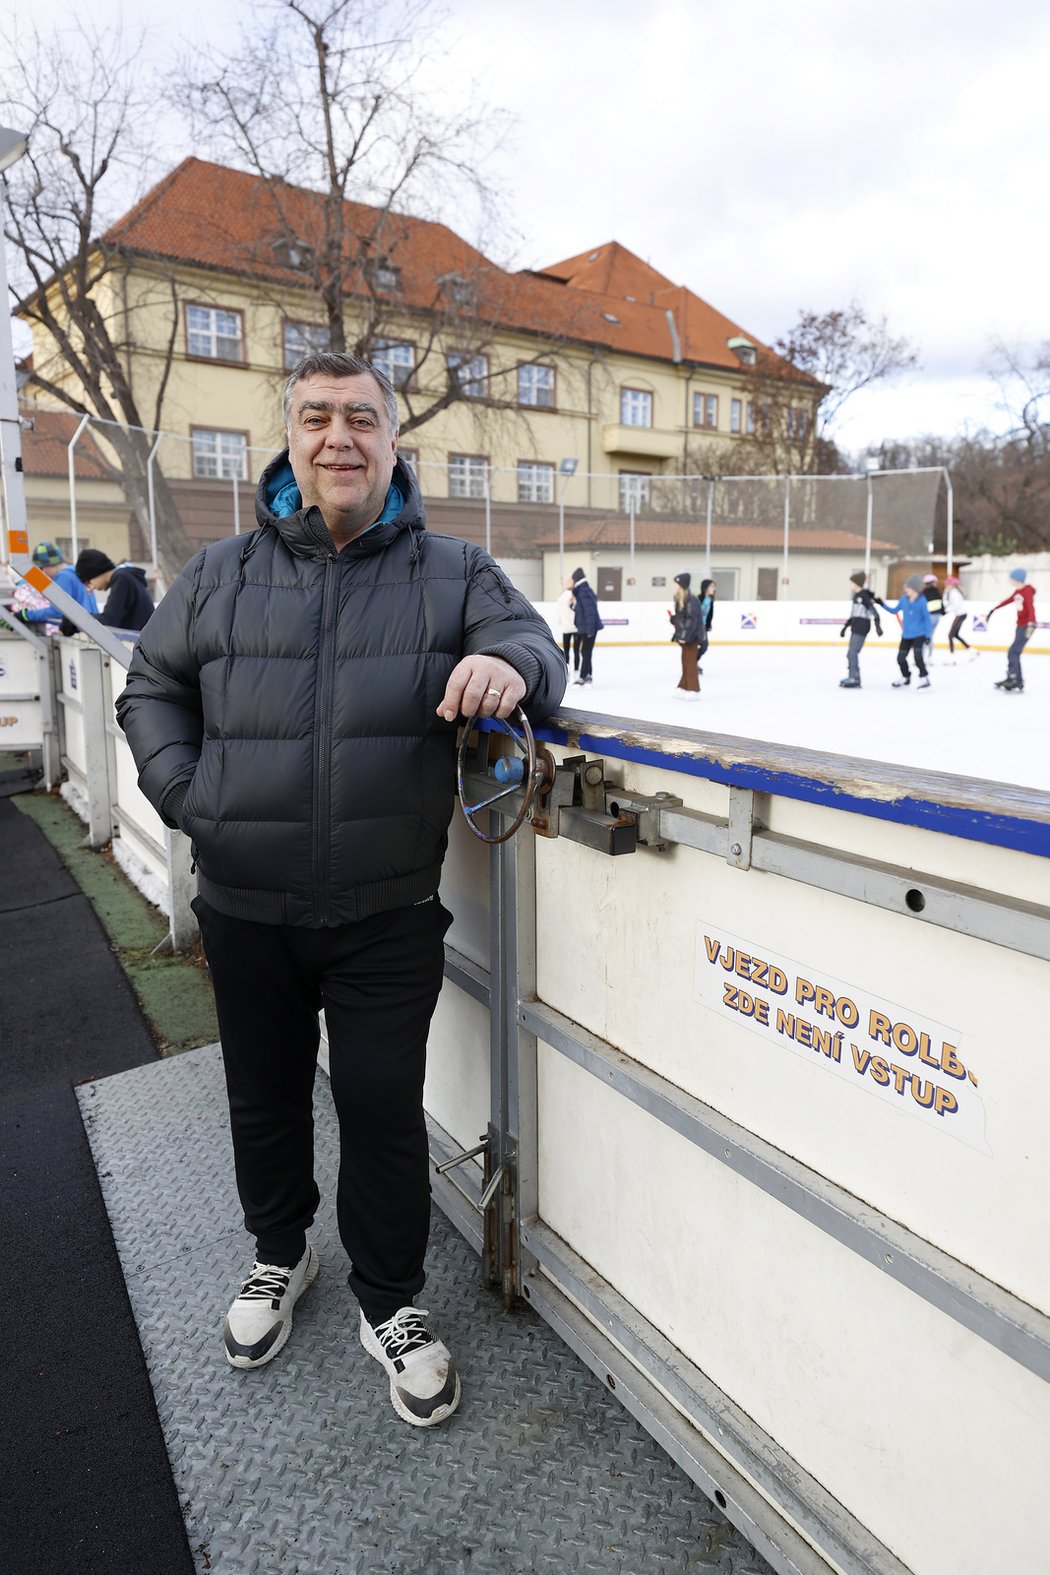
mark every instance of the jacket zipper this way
{"type": "Point", "coordinates": [323, 745]}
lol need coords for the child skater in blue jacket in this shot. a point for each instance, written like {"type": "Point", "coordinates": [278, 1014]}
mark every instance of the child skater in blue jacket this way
{"type": "Point", "coordinates": [916, 629]}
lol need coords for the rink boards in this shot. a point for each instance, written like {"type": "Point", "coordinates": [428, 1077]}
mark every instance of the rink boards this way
{"type": "Point", "coordinates": [764, 1110]}
{"type": "Point", "coordinates": [769, 1104]}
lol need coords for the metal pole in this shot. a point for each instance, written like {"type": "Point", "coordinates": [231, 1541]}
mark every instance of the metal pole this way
{"type": "Point", "coordinates": [16, 537]}
{"type": "Point", "coordinates": [561, 535]}
{"type": "Point", "coordinates": [951, 523]}
{"type": "Point", "coordinates": [787, 527]}
{"type": "Point", "coordinates": [70, 465]}
{"type": "Point", "coordinates": [632, 534]}
{"type": "Point", "coordinates": [710, 500]}
{"type": "Point", "coordinates": [488, 509]}
{"type": "Point", "coordinates": [867, 528]}
{"type": "Point", "coordinates": [152, 501]}
{"type": "Point", "coordinates": [236, 504]}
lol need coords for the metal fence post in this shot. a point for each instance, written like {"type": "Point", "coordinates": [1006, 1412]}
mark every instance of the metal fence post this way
{"type": "Point", "coordinates": [182, 888]}
{"type": "Point", "coordinates": [49, 713]}
{"type": "Point", "coordinates": [94, 702]}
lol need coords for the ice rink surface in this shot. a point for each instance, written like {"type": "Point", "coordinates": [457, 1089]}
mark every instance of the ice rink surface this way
{"type": "Point", "coordinates": [787, 694]}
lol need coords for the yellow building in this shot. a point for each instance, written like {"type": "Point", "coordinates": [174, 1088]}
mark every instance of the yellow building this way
{"type": "Point", "coordinates": [580, 384]}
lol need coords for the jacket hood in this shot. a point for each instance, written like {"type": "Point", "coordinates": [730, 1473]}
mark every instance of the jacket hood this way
{"type": "Point", "coordinates": [279, 507]}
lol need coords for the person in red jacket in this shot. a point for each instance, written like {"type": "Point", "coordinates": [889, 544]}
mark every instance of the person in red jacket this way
{"type": "Point", "coordinates": [1024, 596]}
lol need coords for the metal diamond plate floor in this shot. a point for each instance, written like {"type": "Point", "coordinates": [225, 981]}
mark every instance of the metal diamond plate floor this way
{"type": "Point", "coordinates": [302, 1468]}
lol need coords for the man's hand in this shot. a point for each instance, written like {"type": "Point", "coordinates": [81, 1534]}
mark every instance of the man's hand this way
{"type": "Point", "coordinates": [481, 686]}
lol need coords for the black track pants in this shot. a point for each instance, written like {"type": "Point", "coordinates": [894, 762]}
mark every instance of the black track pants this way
{"type": "Point", "coordinates": [378, 981]}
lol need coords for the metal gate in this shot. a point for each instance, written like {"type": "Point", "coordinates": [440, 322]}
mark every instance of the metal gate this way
{"type": "Point", "coordinates": [742, 1083]}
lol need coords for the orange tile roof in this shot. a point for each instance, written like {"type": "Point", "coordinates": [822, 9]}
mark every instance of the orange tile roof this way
{"type": "Point", "coordinates": [615, 532]}
{"type": "Point", "coordinates": [45, 446]}
{"type": "Point", "coordinates": [225, 219]}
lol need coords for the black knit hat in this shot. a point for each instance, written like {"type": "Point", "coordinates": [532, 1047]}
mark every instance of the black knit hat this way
{"type": "Point", "coordinates": [858, 578]}
{"type": "Point", "coordinates": [577, 576]}
{"type": "Point", "coordinates": [91, 563]}
{"type": "Point", "coordinates": [684, 580]}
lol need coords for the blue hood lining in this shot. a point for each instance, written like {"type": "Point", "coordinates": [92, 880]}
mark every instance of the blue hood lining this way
{"type": "Point", "coordinates": [284, 498]}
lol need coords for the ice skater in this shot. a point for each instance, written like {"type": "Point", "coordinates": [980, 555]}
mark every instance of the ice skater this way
{"type": "Point", "coordinates": [688, 622]}
{"type": "Point", "coordinates": [707, 610]}
{"type": "Point", "coordinates": [932, 592]}
{"type": "Point", "coordinates": [858, 621]}
{"type": "Point", "coordinates": [914, 612]}
{"type": "Point", "coordinates": [955, 608]}
{"type": "Point", "coordinates": [570, 635]}
{"type": "Point", "coordinates": [1024, 596]}
{"type": "Point", "coordinates": [588, 623]}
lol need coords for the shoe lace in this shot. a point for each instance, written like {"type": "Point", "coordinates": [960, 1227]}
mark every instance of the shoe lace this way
{"type": "Point", "coordinates": [405, 1332]}
{"type": "Point", "coordinates": [267, 1282]}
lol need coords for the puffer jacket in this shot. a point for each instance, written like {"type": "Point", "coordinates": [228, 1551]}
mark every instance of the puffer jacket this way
{"type": "Point", "coordinates": [281, 706]}
{"type": "Point", "coordinates": [688, 622]}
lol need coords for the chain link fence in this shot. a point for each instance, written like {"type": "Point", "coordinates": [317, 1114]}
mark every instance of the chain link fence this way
{"type": "Point", "coordinates": [208, 478]}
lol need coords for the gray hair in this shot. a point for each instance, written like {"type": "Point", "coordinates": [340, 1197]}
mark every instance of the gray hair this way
{"type": "Point", "coordinates": [332, 363]}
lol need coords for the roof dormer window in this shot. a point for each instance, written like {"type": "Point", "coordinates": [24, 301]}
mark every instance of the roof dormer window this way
{"type": "Point", "coordinates": [457, 289]}
{"type": "Point", "coordinates": [292, 253]}
{"type": "Point", "coordinates": [384, 274]}
{"type": "Point", "coordinates": [743, 349]}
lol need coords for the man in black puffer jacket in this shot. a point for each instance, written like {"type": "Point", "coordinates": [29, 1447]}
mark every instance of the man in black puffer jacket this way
{"type": "Point", "coordinates": [291, 706]}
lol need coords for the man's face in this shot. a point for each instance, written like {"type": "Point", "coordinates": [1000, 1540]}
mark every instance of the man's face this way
{"type": "Point", "coordinates": [342, 450]}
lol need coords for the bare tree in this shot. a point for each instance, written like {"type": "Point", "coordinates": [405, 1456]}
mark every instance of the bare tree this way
{"type": "Point", "coordinates": [325, 105]}
{"type": "Point", "coordinates": [78, 94]}
{"type": "Point", "coordinates": [1024, 387]}
{"type": "Point", "coordinates": [839, 353]}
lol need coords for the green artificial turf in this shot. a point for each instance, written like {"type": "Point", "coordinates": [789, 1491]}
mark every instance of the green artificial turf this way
{"type": "Point", "coordinates": [173, 990]}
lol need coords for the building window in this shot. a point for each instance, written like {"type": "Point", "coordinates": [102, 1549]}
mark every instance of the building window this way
{"type": "Point", "coordinates": [457, 289]}
{"type": "Point", "coordinates": [634, 488]}
{"type": "Point", "coordinates": [736, 412]}
{"type": "Point", "coordinates": [384, 275]}
{"type": "Point", "coordinates": [215, 333]}
{"type": "Point", "coordinates": [219, 456]}
{"type": "Point", "coordinates": [750, 419]}
{"type": "Point", "coordinates": [410, 457]}
{"type": "Point", "coordinates": [470, 372]}
{"type": "Point", "coordinates": [797, 423]}
{"type": "Point", "coordinates": [467, 475]}
{"type": "Point", "coordinates": [291, 253]}
{"type": "Point", "coordinates": [705, 410]}
{"type": "Point", "coordinates": [395, 359]}
{"type": "Point", "coordinates": [636, 407]}
{"type": "Point", "coordinates": [535, 482]}
{"type": "Point", "coordinates": [302, 338]}
{"type": "Point", "coordinates": [536, 386]}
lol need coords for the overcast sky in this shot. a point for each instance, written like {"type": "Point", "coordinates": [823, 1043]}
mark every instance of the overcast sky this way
{"type": "Point", "coordinates": [774, 157]}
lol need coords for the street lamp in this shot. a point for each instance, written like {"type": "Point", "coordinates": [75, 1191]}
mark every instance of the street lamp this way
{"type": "Point", "coordinates": [12, 145]}
{"type": "Point", "coordinates": [567, 469]}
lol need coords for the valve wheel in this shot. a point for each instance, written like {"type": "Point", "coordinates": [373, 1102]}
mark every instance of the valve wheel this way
{"type": "Point", "coordinates": [531, 769]}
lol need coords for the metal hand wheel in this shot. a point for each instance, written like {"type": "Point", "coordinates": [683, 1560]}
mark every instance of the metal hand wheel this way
{"type": "Point", "coordinates": [531, 769]}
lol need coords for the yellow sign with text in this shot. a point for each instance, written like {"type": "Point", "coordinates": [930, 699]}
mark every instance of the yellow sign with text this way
{"type": "Point", "coordinates": [906, 1059]}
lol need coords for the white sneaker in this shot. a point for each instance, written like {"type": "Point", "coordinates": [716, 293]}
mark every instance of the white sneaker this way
{"type": "Point", "coordinates": [260, 1320]}
{"type": "Point", "coordinates": [424, 1383]}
